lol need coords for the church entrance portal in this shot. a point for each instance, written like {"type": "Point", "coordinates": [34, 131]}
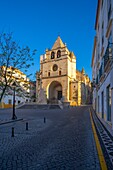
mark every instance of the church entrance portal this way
{"type": "Point", "coordinates": [59, 95]}
{"type": "Point", "coordinates": [55, 92]}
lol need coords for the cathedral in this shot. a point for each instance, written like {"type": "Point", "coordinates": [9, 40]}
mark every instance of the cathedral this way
{"type": "Point", "coordinates": [58, 79]}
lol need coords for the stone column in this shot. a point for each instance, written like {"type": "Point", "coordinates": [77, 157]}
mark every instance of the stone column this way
{"type": "Point", "coordinates": [65, 89]}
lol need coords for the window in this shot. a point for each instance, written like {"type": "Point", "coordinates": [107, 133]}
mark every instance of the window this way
{"type": "Point", "coordinates": [98, 27]}
{"type": "Point", "coordinates": [102, 103]}
{"type": "Point", "coordinates": [97, 80]}
{"type": "Point", "coordinates": [110, 38]}
{"type": "Point", "coordinates": [9, 101]}
{"type": "Point", "coordinates": [98, 104]}
{"type": "Point", "coordinates": [109, 9]}
{"type": "Point", "coordinates": [102, 40]}
{"type": "Point", "coordinates": [59, 73]}
{"type": "Point", "coordinates": [52, 55]}
{"type": "Point", "coordinates": [58, 53]}
{"type": "Point", "coordinates": [48, 74]}
{"type": "Point", "coordinates": [108, 100]}
{"type": "Point", "coordinates": [102, 4]}
{"type": "Point", "coordinates": [95, 105]}
{"type": "Point", "coordinates": [102, 33]}
{"type": "Point", "coordinates": [100, 71]}
{"type": "Point", "coordinates": [98, 51]}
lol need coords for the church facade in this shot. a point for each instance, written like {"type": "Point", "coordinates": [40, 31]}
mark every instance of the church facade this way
{"type": "Point", "coordinates": [59, 78]}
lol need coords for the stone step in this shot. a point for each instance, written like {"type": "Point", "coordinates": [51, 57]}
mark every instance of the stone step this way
{"type": "Point", "coordinates": [39, 106]}
{"type": "Point", "coordinates": [54, 106]}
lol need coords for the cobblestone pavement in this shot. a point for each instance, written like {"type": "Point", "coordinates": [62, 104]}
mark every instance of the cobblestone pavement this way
{"type": "Point", "coordinates": [64, 142]}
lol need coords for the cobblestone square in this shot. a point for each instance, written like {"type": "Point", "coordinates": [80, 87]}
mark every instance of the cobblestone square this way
{"type": "Point", "coordinates": [65, 141]}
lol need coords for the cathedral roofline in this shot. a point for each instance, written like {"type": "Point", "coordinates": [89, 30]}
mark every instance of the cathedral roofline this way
{"type": "Point", "coordinates": [58, 44]}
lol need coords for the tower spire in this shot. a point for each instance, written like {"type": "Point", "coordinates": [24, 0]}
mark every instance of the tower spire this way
{"type": "Point", "coordinates": [58, 43]}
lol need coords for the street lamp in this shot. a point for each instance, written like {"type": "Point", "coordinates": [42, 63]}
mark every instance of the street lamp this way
{"type": "Point", "coordinates": [14, 116]}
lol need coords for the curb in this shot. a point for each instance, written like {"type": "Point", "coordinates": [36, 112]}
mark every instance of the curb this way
{"type": "Point", "coordinates": [98, 146]}
{"type": "Point", "coordinates": [10, 121]}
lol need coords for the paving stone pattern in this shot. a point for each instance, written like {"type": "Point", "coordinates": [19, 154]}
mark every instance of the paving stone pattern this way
{"type": "Point", "coordinates": [64, 142]}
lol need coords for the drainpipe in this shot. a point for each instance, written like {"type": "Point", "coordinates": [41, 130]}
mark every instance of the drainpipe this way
{"type": "Point", "coordinates": [111, 80]}
{"type": "Point", "coordinates": [112, 107]}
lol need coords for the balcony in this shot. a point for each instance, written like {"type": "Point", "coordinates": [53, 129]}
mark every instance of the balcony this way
{"type": "Point", "coordinates": [108, 58]}
{"type": "Point", "coordinates": [101, 74]}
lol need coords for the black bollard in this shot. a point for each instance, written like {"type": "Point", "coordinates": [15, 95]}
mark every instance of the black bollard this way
{"type": "Point", "coordinates": [26, 125]}
{"type": "Point", "coordinates": [12, 131]}
{"type": "Point", "coordinates": [44, 120]}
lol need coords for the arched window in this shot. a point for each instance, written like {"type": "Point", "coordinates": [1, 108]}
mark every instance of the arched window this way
{"type": "Point", "coordinates": [52, 55]}
{"type": "Point", "coordinates": [58, 53]}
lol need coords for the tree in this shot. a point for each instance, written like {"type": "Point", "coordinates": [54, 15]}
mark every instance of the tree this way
{"type": "Point", "coordinates": [13, 57]}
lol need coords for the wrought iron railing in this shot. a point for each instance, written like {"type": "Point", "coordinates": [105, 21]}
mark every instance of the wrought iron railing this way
{"type": "Point", "coordinates": [108, 57]}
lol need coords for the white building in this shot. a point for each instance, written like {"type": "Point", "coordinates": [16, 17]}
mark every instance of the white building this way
{"type": "Point", "coordinates": [22, 89]}
{"type": "Point", "coordinates": [102, 62]}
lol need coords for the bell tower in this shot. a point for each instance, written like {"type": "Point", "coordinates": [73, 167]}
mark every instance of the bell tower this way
{"type": "Point", "coordinates": [58, 69]}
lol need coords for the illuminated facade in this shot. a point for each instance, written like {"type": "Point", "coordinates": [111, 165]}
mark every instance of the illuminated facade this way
{"type": "Point", "coordinates": [59, 78]}
{"type": "Point", "coordinates": [22, 88]}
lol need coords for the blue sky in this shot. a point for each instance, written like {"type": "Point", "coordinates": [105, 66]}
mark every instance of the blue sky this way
{"type": "Point", "coordinates": [37, 23]}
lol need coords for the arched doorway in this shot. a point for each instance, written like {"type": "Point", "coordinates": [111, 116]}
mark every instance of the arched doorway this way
{"type": "Point", "coordinates": [55, 92]}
